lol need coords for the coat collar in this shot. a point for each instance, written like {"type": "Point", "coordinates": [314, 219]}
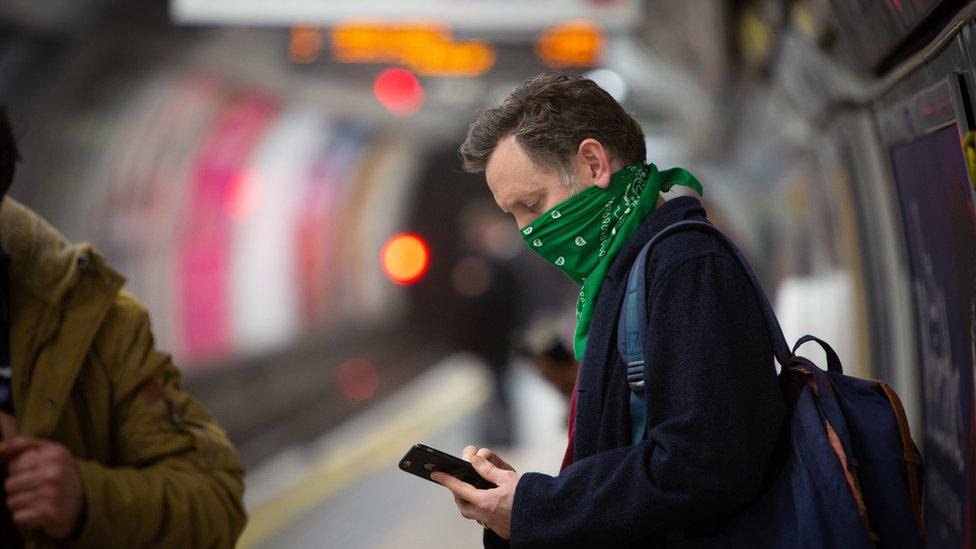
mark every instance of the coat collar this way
{"type": "Point", "coordinates": [672, 211]}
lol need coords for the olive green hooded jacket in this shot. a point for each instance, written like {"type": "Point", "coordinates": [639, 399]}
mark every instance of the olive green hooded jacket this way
{"type": "Point", "coordinates": [157, 470]}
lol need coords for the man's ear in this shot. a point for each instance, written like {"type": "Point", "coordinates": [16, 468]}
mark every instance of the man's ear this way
{"type": "Point", "coordinates": [595, 162]}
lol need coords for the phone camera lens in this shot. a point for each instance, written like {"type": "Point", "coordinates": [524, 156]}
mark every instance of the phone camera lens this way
{"type": "Point", "coordinates": [406, 464]}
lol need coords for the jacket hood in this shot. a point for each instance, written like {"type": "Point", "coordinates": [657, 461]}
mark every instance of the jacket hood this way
{"type": "Point", "coordinates": [42, 260]}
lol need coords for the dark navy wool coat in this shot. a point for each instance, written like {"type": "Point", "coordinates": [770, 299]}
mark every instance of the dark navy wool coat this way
{"type": "Point", "coordinates": [714, 407]}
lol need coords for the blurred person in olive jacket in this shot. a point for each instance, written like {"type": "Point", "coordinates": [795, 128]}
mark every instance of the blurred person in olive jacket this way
{"type": "Point", "coordinates": [110, 452]}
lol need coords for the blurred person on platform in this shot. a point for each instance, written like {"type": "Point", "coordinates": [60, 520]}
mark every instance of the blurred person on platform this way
{"type": "Point", "coordinates": [100, 446]}
{"type": "Point", "coordinates": [568, 162]}
{"type": "Point", "coordinates": [485, 282]}
{"type": "Point", "coordinates": [542, 343]}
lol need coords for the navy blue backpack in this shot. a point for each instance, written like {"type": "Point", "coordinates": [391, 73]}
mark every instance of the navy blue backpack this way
{"type": "Point", "coordinates": [850, 475]}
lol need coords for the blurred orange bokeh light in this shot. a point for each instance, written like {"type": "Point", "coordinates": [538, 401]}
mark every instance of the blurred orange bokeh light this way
{"type": "Point", "coordinates": [405, 258]}
{"type": "Point", "coordinates": [572, 44]}
{"type": "Point", "coordinates": [305, 44]}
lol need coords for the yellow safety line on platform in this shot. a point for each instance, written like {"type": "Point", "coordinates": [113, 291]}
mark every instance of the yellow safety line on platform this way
{"type": "Point", "coordinates": [458, 393]}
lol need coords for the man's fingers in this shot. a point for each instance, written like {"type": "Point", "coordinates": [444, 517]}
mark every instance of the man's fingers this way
{"type": "Point", "coordinates": [25, 461]}
{"type": "Point", "coordinates": [495, 459]}
{"type": "Point", "coordinates": [28, 519]}
{"type": "Point", "coordinates": [10, 449]}
{"type": "Point", "coordinates": [489, 470]}
{"type": "Point", "coordinates": [469, 452]}
{"type": "Point", "coordinates": [468, 510]}
{"type": "Point", "coordinates": [458, 487]}
{"type": "Point", "coordinates": [23, 482]}
{"type": "Point", "coordinates": [26, 499]}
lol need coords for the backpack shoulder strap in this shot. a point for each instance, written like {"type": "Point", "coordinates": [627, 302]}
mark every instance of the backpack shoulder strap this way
{"type": "Point", "coordinates": [631, 330]}
{"type": "Point", "coordinates": [632, 324]}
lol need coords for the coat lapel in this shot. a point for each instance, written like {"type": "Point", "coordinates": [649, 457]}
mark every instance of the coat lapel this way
{"type": "Point", "coordinates": [61, 293]}
{"type": "Point", "coordinates": [49, 373]}
{"type": "Point", "coordinates": [594, 372]}
{"type": "Point", "coordinates": [600, 357]}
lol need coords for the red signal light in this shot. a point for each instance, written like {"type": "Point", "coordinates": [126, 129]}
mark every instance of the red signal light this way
{"type": "Point", "coordinates": [399, 91]}
{"type": "Point", "coordinates": [405, 258]}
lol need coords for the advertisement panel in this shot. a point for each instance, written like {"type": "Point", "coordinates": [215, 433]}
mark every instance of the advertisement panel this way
{"type": "Point", "coordinates": [937, 209]}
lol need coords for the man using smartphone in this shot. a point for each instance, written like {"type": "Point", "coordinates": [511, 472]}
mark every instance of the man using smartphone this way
{"type": "Point", "coordinates": [104, 450]}
{"type": "Point", "coordinates": [568, 163]}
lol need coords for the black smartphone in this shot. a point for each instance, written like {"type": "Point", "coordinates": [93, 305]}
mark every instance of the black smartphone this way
{"type": "Point", "coordinates": [423, 460]}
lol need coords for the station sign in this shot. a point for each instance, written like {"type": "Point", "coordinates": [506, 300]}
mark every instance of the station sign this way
{"type": "Point", "coordinates": [426, 49]}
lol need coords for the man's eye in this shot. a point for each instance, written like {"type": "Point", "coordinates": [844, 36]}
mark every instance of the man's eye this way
{"type": "Point", "coordinates": [533, 207]}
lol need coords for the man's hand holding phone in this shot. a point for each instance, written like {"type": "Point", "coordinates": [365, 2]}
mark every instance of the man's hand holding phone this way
{"type": "Point", "coordinates": [491, 508]}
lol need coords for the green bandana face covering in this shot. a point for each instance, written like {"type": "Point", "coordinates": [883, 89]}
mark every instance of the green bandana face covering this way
{"type": "Point", "coordinates": [582, 235]}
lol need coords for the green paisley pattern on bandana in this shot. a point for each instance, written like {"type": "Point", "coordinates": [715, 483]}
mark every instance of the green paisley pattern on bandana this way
{"type": "Point", "coordinates": [582, 235]}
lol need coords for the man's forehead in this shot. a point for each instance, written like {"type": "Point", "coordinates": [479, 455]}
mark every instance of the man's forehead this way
{"type": "Point", "coordinates": [509, 168]}
{"type": "Point", "coordinates": [504, 158]}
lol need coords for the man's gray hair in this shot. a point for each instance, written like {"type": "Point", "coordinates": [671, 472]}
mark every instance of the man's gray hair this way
{"type": "Point", "coordinates": [550, 115]}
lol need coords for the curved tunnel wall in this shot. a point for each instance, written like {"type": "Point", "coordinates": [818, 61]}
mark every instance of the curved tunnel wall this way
{"type": "Point", "coordinates": [244, 220]}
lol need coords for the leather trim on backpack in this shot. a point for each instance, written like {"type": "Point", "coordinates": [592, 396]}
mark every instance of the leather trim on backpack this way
{"type": "Point", "coordinates": [853, 483]}
{"type": "Point", "coordinates": [911, 455]}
